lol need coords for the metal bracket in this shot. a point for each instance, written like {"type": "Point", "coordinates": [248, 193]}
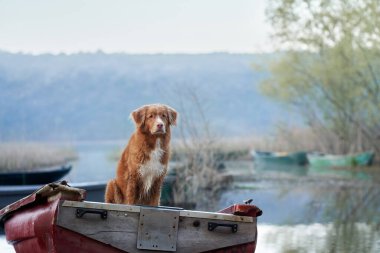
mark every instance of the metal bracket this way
{"type": "Point", "coordinates": [157, 229]}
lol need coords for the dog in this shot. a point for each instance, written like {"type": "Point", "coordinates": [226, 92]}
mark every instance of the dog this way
{"type": "Point", "coordinates": [143, 163]}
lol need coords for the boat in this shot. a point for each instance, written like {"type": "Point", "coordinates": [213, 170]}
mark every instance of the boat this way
{"type": "Point", "coordinates": [280, 158]}
{"type": "Point", "coordinates": [34, 177]}
{"type": "Point", "coordinates": [57, 218]}
{"type": "Point", "coordinates": [12, 193]}
{"type": "Point", "coordinates": [349, 160]}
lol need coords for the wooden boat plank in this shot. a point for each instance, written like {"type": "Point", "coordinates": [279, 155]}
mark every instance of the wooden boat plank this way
{"type": "Point", "coordinates": [193, 240]}
{"type": "Point", "coordinates": [215, 216]}
{"type": "Point", "coordinates": [183, 213]}
{"type": "Point", "coordinates": [99, 205]}
{"type": "Point", "coordinates": [120, 229]}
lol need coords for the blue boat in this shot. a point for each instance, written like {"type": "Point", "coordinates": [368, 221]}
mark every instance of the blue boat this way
{"type": "Point", "coordinates": [34, 177]}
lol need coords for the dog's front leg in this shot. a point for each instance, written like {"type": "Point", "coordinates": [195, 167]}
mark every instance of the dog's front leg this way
{"type": "Point", "coordinates": [131, 194]}
{"type": "Point", "coordinates": [156, 192]}
{"type": "Point", "coordinates": [109, 196]}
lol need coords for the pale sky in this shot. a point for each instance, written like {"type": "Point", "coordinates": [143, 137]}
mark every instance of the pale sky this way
{"type": "Point", "coordinates": [134, 26]}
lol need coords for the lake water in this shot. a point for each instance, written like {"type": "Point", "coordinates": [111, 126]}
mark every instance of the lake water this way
{"type": "Point", "coordinates": [304, 211]}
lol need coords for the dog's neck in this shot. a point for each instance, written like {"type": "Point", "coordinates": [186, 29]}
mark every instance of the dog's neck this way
{"type": "Point", "coordinates": [150, 140]}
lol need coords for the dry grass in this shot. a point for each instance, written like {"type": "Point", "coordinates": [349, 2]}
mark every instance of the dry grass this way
{"type": "Point", "coordinates": [223, 150]}
{"type": "Point", "coordinates": [284, 140]}
{"type": "Point", "coordinates": [30, 156]}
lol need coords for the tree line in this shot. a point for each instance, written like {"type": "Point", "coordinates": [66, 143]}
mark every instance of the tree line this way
{"type": "Point", "coordinates": [329, 69]}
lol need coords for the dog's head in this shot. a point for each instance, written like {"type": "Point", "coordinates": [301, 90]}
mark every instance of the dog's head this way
{"type": "Point", "coordinates": [155, 118]}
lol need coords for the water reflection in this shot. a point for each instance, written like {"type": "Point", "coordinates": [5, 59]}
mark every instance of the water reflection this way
{"type": "Point", "coordinates": [304, 211]}
{"type": "Point", "coordinates": [316, 238]}
{"type": "Point", "coordinates": [353, 207]}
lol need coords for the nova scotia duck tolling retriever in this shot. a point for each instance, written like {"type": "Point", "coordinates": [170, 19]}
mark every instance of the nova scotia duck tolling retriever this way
{"type": "Point", "coordinates": [143, 163]}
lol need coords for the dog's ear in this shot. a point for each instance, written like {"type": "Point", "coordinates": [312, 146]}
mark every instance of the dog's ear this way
{"type": "Point", "coordinates": [138, 116]}
{"type": "Point", "coordinates": [172, 116]}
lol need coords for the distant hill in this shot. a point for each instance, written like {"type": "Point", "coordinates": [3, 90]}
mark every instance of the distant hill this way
{"type": "Point", "coordinates": [89, 96]}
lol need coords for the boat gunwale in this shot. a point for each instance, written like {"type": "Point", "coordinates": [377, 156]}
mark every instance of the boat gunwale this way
{"type": "Point", "coordinates": [41, 170]}
{"type": "Point", "coordinates": [136, 209]}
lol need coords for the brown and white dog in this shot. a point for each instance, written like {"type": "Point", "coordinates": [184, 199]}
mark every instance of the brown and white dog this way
{"type": "Point", "coordinates": [143, 164]}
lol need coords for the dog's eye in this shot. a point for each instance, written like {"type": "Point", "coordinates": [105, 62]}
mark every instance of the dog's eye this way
{"type": "Point", "coordinates": [163, 115]}
{"type": "Point", "coordinates": [150, 116]}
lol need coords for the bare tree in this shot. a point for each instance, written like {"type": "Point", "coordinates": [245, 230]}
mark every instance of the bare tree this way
{"type": "Point", "coordinates": [198, 180]}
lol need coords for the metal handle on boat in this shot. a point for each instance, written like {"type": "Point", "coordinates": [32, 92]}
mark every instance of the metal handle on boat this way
{"type": "Point", "coordinates": [82, 211]}
{"type": "Point", "coordinates": [213, 225]}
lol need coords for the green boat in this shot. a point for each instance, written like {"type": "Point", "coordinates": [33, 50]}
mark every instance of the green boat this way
{"type": "Point", "coordinates": [350, 160]}
{"type": "Point", "coordinates": [280, 158]}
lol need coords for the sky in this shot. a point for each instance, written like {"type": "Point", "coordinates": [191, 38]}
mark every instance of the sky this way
{"type": "Point", "coordinates": [134, 26]}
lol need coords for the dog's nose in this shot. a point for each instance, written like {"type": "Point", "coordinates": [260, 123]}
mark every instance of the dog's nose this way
{"type": "Point", "coordinates": [159, 126]}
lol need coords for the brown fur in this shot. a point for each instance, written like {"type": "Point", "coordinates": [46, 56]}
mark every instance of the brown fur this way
{"type": "Point", "coordinates": [130, 184]}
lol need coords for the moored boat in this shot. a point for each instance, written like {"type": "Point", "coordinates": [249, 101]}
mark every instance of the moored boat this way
{"type": "Point", "coordinates": [12, 193]}
{"type": "Point", "coordinates": [349, 160]}
{"type": "Point", "coordinates": [57, 219]}
{"type": "Point", "coordinates": [34, 177]}
{"type": "Point", "coordinates": [280, 158]}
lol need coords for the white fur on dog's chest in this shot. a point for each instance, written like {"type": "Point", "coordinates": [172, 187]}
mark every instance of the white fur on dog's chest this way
{"type": "Point", "coordinates": [152, 168]}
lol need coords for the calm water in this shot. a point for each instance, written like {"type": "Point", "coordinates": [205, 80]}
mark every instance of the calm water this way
{"type": "Point", "coordinates": [304, 210]}
{"type": "Point", "coordinates": [95, 163]}
{"type": "Point", "coordinates": [314, 210]}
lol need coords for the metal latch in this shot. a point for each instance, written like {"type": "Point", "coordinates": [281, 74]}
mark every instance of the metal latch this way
{"type": "Point", "coordinates": [157, 229]}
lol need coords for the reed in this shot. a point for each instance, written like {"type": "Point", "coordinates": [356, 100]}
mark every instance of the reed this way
{"type": "Point", "coordinates": [30, 156]}
{"type": "Point", "coordinates": [310, 139]}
